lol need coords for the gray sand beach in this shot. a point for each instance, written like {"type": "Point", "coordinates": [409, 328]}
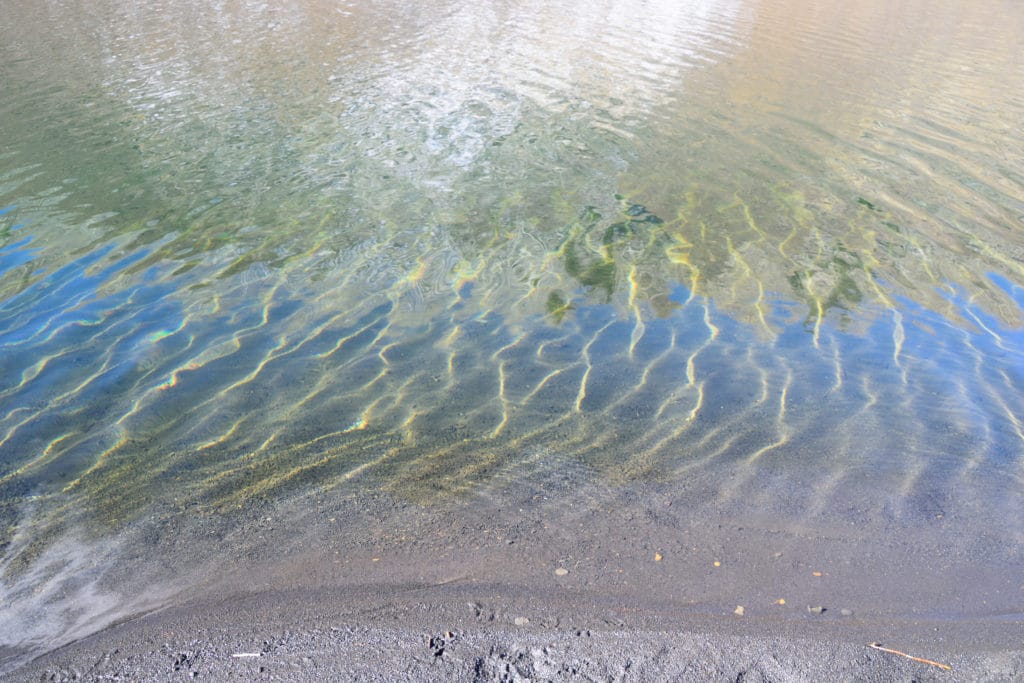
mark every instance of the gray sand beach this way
{"type": "Point", "coordinates": [413, 634]}
{"type": "Point", "coordinates": [470, 592]}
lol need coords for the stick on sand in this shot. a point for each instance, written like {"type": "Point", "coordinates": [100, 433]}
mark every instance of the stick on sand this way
{"type": "Point", "coordinates": [878, 646]}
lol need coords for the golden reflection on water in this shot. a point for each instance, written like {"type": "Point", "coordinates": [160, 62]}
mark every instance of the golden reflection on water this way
{"type": "Point", "coordinates": [868, 161]}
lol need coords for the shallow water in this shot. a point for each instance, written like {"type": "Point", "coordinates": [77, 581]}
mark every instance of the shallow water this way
{"type": "Point", "coordinates": [760, 260]}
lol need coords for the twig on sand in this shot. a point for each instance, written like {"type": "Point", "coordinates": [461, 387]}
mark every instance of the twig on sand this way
{"type": "Point", "coordinates": [878, 646]}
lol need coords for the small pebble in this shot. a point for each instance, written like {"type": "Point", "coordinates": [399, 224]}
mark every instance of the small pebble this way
{"type": "Point", "coordinates": [521, 621]}
{"type": "Point", "coordinates": [739, 610]}
{"type": "Point", "coordinates": [846, 612]}
{"type": "Point", "coordinates": [561, 571]}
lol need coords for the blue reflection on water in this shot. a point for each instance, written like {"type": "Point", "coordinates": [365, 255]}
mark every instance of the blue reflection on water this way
{"type": "Point", "coordinates": [907, 404]}
{"type": "Point", "coordinates": [71, 354]}
{"type": "Point", "coordinates": [15, 254]}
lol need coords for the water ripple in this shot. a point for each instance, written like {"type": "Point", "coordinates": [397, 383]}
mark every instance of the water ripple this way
{"type": "Point", "coordinates": [763, 254]}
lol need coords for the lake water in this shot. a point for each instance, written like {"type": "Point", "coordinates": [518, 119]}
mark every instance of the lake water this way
{"type": "Point", "coordinates": [728, 281]}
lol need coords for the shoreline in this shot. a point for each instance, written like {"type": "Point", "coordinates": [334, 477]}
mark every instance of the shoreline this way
{"type": "Point", "coordinates": [495, 632]}
{"type": "Point", "coordinates": [618, 588]}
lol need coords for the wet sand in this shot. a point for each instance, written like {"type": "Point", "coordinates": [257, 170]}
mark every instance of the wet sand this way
{"type": "Point", "coordinates": [551, 585]}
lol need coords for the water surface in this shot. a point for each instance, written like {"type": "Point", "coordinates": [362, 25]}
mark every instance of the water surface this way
{"type": "Point", "coordinates": [759, 262]}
